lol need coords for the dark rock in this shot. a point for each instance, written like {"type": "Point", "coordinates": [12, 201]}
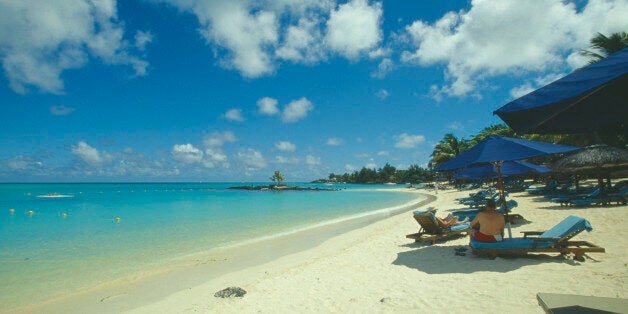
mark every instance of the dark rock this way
{"type": "Point", "coordinates": [230, 293]}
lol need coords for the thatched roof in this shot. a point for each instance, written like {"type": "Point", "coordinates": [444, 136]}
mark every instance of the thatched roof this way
{"type": "Point", "coordinates": [594, 157]}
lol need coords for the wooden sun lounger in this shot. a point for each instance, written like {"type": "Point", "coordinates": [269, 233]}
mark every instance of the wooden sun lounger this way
{"type": "Point", "coordinates": [431, 231]}
{"type": "Point", "coordinates": [555, 240]}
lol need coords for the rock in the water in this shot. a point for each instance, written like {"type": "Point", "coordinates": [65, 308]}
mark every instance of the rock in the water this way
{"type": "Point", "coordinates": [230, 292]}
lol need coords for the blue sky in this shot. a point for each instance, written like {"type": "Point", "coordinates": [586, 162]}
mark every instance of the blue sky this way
{"type": "Point", "coordinates": [180, 90]}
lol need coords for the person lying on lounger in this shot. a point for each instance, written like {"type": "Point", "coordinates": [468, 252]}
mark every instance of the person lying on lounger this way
{"type": "Point", "coordinates": [488, 225]}
{"type": "Point", "coordinates": [450, 221]}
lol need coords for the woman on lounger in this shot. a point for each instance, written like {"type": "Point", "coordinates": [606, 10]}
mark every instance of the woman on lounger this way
{"type": "Point", "coordinates": [490, 222]}
{"type": "Point", "coordinates": [450, 221]}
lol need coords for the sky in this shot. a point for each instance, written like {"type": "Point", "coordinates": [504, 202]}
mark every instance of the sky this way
{"type": "Point", "coordinates": [215, 91]}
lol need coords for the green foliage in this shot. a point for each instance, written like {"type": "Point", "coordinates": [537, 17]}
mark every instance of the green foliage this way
{"type": "Point", "coordinates": [602, 46]}
{"type": "Point", "coordinates": [277, 177]}
{"type": "Point", "coordinates": [385, 174]}
{"type": "Point", "coordinates": [448, 148]}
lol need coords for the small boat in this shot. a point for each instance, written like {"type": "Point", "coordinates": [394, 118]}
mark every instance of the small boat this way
{"type": "Point", "coordinates": [55, 195]}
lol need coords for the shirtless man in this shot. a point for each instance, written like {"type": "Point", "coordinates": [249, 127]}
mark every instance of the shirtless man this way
{"type": "Point", "coordinates": [491, 224]}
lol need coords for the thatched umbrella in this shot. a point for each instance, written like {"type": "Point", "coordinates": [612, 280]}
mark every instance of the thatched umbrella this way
{"type": "Point", "coordinates": [599, 159]}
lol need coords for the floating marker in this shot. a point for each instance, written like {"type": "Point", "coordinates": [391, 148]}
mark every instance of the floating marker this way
{"type": "Point", "coordinates": [11, 211]}
{"type": "Point", "coordinates": [30, 213]}
{"type": "Point", "coordinates": [117, 219]}
{"type": "Point", "coordinates": [63, 215]}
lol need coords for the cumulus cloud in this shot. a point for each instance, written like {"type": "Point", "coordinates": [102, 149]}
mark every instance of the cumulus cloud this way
{"type": "Point", "coordinates": [254, 37]}
{"type": "Point", "coordinates": [312, 160]}
{"type": "Point", "coordinates": [252, 159]}
{"type": "Point", "coordinates": [382, 94]}
{"type": "Point", "coordinates": [41, 39]}
{"type": "Point", "coordinates": [456, 125]}
{"type": "Point", "coordinates": [214, 156]}
{"type": "Point", "coordinates": [384, 67]}
{"type": "Point", "coordinates": [508, 38]}
{"type": "Point", "coordinates": [89, 154]}
{"type": "Point", "coordinates": [407, 141]}
{"type": "Point", "coordinates": [286, 160]}
{"type": "Point", "coordinates": [285, 146]}
{"type": "Point", "coordinates": [354, 28]}
{"type": "Point", "coordinates": [383, 153]}
{"type": "Point", "coordinates": [268, 106]}
{"type": "Point", "coordinates": [334, 141]}
{"type": "Point", "coordinates": [217, 139]}
{"type": "Point", "coordinates": [350, 168]}
{"type": "Point", "coordinates": [234, 115]}
{"type": "Point", "coordinates": [297, 110]}
{"type": "Point", "coordinates": [61, 110]}
{"type": "Point", "coordinates": [23, 164]}
{"type": "Point", "coordinates": [142, 39]}
{"type": "Point", "coordinates": [187, 153]}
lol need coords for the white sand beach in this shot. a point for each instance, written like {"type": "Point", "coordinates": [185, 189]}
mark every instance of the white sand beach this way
{"type": "Point", "coordinates": [376, 269]}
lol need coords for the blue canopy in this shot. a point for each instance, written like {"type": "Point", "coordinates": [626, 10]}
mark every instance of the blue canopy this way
{"type": "Point", "coordinates": [589, 99]}
{"type": "Point", "coordinates": [496, 148]}
{"type": "Point", "coordinates": [508, 168]}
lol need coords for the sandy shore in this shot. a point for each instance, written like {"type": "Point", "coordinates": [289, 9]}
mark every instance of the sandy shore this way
{"type": "Point", "coordinates": [376, 269]}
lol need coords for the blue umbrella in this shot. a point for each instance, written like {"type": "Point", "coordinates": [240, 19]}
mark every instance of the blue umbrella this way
{"type": "Point", "coordinates": [590, 99]}
{"type": "Point", "coordinates": [508, 168]}
{"type": "Point", "coordinates": [496, 149]}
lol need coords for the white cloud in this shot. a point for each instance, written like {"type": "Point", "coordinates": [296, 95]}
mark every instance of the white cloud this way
{"type": "Point", "coordinates": [22, 163]}
{"type": "Point", "coordinates": [383, 153]}
{"type": "Point", "coordinates": [303, 42]}
{"type": "Point", "coordinates": [217, 139]}
{"type": "Point", "coordinates": [407, 141]}
{"type": "Point", "coordinates": [89, 154]}
{"type": "Point", "coordinates": [371, 165]}
{"type": "Point", "coordinates": [354, 28]}
{"type": "Point", "coordinates": [41, 39]}
{"type": "Point", "coordinates": [215, 156]}
{"type": "Point", "coordinates": [285, 146]}
{"type": "Point", "coordinates": [267, 106]}
{"type": "Point", "coordinates": [142, 39]}
{"type": "Point", "coordinates": [252, 159]}
{"type": "Point", "coordinates": [61, 110]}
{"type": "Point", "coordinates": [350, 168]}
{"type": "Point", "coordinates": [456, 125]}
{"type": "Point", "coordinates": [508, 38]}
{"type": "Point", "coordinates": [234, 115]}
{"type": "Point", "coordinates": [187, 153]}
{"type": "Point", "coordinates": [382, 94]}
{"type": "Point", "coordinates": [384, 67]}
{"type": "Point", "coordinates": [297, 110]}
{"type": "Point", "coordinates": [312, 160]}
{"type": "Point", "coordinates": [334, 141]}
{"type": "Point", "coordinates": [286, 160]}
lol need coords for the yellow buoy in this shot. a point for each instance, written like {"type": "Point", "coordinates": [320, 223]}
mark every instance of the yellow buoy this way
{"type": "Point", "coordinates": [64, 215]}
{"type": "Point", "coordinates": [117, 219]}
{"type": "Point", "coordinates": [30, 213]}
{"type": "Point", "coordinates": [12, 211]}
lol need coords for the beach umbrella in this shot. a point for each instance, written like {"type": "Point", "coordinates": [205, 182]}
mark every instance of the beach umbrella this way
{"type": "Point", "coordinates": [589, 99]}
{"type": "Point", "coordinates": [497, 149]}
{"type": "Point", "coordinates": [598, 159]}
{"type": "Point", "coordinates": [508, 168]}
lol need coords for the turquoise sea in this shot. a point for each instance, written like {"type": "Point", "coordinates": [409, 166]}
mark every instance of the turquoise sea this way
{"type": "Point", "coordinates": [93, 234]}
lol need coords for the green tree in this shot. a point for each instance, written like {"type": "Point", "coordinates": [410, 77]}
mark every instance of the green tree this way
{"type": "Point", "coordinates": [603, 46]}
{"type": "Point", "coordinates": [448, 148]}
{"type": "Point", "coordinates": [277, 177]}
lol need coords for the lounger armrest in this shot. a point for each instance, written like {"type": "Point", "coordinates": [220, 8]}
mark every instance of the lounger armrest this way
{"type": "Point", "coordinates": [527, 233]}
{"type": "Point", "coordinates": [537, 240]}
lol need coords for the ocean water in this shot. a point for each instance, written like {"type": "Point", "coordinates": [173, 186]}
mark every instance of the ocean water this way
{"type": "Point", "coordinates": [93, 234]}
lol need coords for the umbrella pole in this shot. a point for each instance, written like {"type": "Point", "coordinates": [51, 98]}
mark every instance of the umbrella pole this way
{"type": "Point", "coordinates": [500, 185]}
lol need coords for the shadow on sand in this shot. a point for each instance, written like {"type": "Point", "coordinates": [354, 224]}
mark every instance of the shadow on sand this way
{"type": "Point", "coordinates": [442, 260]}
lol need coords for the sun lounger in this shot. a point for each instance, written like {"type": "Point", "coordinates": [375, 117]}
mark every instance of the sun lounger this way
{"type": "Point", "coordinates": [620, 197]}
{"type": "Point", "coordinates": [555, 240]}
{"type": "Point", "coordinates": [471, 213]}
{"type": "Point", "coordinates": [430, 230]}
{"type": "Point", "coordinates": [569, 200]}
{"type": "Point", "coordinates": [570, 303]}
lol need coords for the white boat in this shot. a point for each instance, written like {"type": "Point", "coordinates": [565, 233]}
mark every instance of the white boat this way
{"type": "Point", "coordinates": [55, 195]}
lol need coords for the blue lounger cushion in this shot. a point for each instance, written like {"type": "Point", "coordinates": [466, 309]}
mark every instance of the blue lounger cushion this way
{"type": "Point", "coordinates": [569, 225]}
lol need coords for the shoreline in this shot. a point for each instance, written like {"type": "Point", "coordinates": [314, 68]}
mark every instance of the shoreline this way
{"type": "Point", "coordinates": [198, 268]}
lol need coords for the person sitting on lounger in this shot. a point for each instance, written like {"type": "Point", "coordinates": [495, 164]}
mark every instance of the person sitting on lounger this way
{"type": "Point", "coordinates": [491, 224]}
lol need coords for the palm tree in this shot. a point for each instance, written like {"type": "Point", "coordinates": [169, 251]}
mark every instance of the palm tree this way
{"type": "Point", "coordinates": [448, 148]}
{"type": "Point", "coordinates": [602, 46]}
